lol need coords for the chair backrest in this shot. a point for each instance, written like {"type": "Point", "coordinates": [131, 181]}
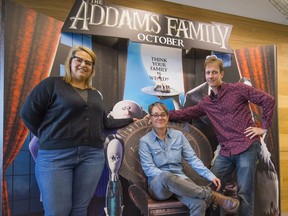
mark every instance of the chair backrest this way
{"type": "Point", "coordinates": [131, 167]}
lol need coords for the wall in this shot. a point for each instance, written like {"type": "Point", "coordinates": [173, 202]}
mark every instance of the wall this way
{"type": "Point", "coordinates": [245, 33]}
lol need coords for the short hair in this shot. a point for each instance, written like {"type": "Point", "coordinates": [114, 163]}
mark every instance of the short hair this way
{"type": "Point", "coordinates": [213, 58]}
{"type": "Point", "coordinates": [68, 73]}
{"type": "Point", "coordinates": [160, 105]}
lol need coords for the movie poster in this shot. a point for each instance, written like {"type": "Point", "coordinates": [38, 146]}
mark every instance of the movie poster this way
{"type": "Point", "coordinates": [154, 73]}
{"type": "Point", "coordinates": [132, 74]}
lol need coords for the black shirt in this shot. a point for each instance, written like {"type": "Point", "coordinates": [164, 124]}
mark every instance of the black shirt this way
{"type": "Point", "coordinates": [61, 118]}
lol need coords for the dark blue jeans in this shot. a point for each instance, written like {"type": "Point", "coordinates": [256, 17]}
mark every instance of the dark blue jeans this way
{"type": "Point", "coordinates": [67, 179]}
{"type": "Point", "coordinates": [244, 165]}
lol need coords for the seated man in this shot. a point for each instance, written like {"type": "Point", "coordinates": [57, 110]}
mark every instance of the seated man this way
{"type": "Point", "coordinates": [161, 152]}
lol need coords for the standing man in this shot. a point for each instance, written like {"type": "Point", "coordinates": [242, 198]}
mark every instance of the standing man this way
{"type": "Point", "coordinates": [227, 107]}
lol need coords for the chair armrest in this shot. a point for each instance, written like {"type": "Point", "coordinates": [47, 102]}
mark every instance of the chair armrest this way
{"type": "Point", "coordinates": [139, 198]}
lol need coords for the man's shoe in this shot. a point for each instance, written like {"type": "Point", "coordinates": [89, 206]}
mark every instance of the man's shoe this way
{"type": "Point", "coordinates": [229, 204]}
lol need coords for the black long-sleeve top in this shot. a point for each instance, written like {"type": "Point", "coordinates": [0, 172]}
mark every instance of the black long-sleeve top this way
{"type": "Point", "coordinates": [61, 118]}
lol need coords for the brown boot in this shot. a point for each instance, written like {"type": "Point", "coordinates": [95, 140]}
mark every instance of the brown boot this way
{"type": "Point", "coordinates": [229, 204]}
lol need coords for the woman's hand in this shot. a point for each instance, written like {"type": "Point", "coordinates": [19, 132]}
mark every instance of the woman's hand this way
{"type": "Point", "coordinates": [217, 183]}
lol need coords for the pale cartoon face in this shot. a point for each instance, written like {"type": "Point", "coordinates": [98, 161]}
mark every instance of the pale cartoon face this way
{"type": "Point", "coordinates": [114, 155]}
{"type": "Point", "coordinates": [126, 109]}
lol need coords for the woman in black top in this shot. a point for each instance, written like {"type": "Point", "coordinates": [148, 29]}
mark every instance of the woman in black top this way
{"type": "Point", "coordinates": [68, 117]}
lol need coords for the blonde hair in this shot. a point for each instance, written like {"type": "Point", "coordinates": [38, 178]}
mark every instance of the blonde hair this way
{"type": "Point", "coordinates": [68, 73]}
{"type": "Point", "coordinates": [213, 58]}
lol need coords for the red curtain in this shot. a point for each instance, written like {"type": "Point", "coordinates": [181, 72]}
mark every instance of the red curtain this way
{"type": "Point", "coordinates": [31, 41]}
{"type": "Point", "coordinates": [259, 65]}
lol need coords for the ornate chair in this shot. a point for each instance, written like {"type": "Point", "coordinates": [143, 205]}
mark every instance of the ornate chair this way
{"type": "Point", "coordinates": [132, 171]}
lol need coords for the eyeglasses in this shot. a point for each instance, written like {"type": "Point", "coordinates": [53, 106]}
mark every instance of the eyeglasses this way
{"type": "Point", "coordinates": [156, 116]}
{"type": "Point", "coordinates": [80, 60]}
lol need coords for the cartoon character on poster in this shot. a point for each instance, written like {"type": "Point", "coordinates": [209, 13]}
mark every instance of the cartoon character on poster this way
{"type": "Point", "coordinates": [114, 150]}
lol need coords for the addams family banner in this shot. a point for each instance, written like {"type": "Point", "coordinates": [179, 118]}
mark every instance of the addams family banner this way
{"type": "Point", "coordinates": [136, 51]}
{"type": "Point", "coordinates": [96, 17]}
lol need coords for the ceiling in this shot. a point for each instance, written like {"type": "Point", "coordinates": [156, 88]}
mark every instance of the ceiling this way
{"type": "Point", "coordinates": [256, 9]}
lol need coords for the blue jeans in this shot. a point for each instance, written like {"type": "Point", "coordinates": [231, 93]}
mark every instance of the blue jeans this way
{"type": "Point", "coordinates": [67, 179]}
{"type": "Point", "coordinates": [244, 165]}
{"type": "Point", "coordinates": [196, 198]}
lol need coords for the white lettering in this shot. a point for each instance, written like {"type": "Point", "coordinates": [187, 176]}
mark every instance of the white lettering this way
{"type": "Point", "coordinates": [125, 19]}
{"type": "Point", "coordinates": [216, 34]}
{"type": "Point", "coordinates": [223, 35]}
{"type": "Point", "coordinates": [160, 40]}
{"type": "Point", "coordinates": [182, 28]}
{"type": "Point", "coordinates": [171, 27]}
{"type": "Point", "coordinates": [78, 17]}
{"type": "Point", "coordinates": [101, 13]}
{"type": "Point", "coordinates": [111, 12]}
{"type": "Point", "coordinates": [147, 26]}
